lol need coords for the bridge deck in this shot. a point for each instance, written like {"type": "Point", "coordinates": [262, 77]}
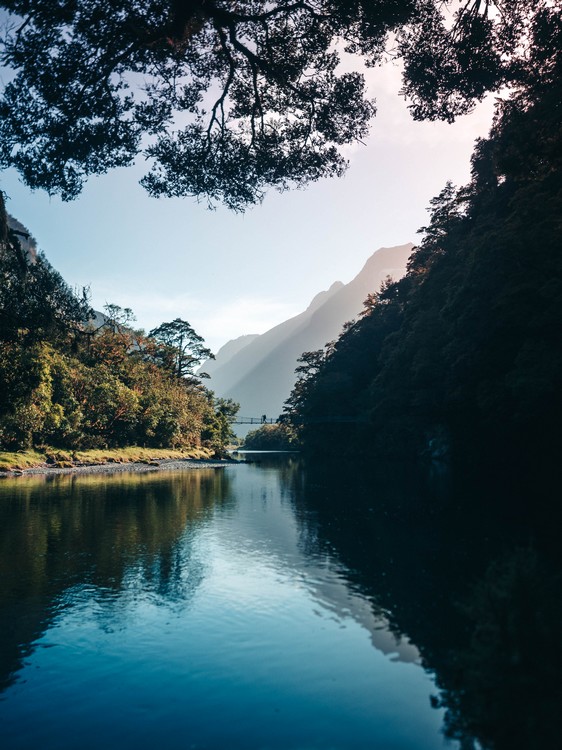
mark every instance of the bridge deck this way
{"type": "Point", "coordinates": [359, 419]}
{"type": "Point", "coordinates": [253, 420]}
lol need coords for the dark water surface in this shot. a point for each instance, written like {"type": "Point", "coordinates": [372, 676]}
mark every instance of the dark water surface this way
{"type": "Point", "coordinates": [254, 606]}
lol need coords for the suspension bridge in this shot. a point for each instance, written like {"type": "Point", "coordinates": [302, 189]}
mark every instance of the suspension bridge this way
{"type": "Point", "coordinates": [358, 419]}
{"type": "Point", "coordinates": [254, 420]}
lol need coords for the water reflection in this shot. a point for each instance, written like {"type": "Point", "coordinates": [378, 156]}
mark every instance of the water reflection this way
{"type": "Point", "coordinates": [470, 571]}
{"type": "Point", "coordinates": [138, 609]}
{"type": "Point", "coordinates": [67, 538]}
{"type": "Point", "coordinates": [289, 538]}
{"type": "Point", "coordinates": [306, 606]}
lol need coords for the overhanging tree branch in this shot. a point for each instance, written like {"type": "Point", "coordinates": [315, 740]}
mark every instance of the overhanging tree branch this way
{"type": "Point", "coordinates": [283, 112]}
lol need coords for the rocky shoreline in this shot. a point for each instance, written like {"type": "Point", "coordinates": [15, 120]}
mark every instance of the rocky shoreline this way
{"type": "Point", "coordinates": [138, 467]}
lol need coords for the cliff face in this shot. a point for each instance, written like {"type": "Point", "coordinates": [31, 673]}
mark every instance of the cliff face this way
{"type": "Point", "coordinates": [27, 242]}
{"type": "Point", "coordinates": [261, 372]}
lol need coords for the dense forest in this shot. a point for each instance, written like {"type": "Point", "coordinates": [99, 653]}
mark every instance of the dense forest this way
{"type": "Point", "coordinates": [460, 361]}
{"type": "Point", "coordinates": [463, 354]}
{"type": "Point", "coordinates": [68, 380]}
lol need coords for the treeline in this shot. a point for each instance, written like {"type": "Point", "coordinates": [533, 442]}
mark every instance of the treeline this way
{"type": "Point", "coordinates": [70, 380]}
{"type": "Point", "coordinates": [272, 437]}
{"type": "Point", "coordinates": [464, 353]}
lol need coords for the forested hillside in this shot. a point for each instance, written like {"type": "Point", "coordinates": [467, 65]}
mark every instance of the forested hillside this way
{"type": "Point", "coordinates": [68, 382]}
{"type": "Point", "coordinates": [464, 353]}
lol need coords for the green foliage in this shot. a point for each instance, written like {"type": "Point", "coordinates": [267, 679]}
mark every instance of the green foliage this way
{"type": "Point", "coordinates": [27, 401]}
{"type": "Point", "coordinates": [217, 429]}
{"type": "Point", "coordinates": [180, 348]}
{"type": "Point", "coordinates": [64, 384]}
{"type": "Point", "coordinates": [255, 84]}
{"type": "Point", "coordinates": [104, 397]}
{"type": "Point", "coordinates": [272, 437]}
{"type": "Point", "coordinates": [464, 352]}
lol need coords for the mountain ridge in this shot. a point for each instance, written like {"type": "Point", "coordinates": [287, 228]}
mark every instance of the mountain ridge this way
{"type": "Point", "coordinates": [260, 375]}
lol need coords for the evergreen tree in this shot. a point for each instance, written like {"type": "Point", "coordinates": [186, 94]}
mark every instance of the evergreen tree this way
{"type": "Point", "coordinates": [181, 348]}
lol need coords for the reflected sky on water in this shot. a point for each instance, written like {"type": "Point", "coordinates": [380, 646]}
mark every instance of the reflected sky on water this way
{"type": "Point", "coordinates": [200, 609]}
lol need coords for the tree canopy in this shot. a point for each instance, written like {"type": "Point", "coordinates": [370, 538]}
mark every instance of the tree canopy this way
{"type": "Point", "coordinates": [181, 348]}
{"type": "Point", "coordinates": [463, 353]}
{"type": "Point", "coordinates": [228, 99]}
{"type": "Point", "coordinates": [36, 303]}
{"type": "Point", "coordinates": [72, 384]}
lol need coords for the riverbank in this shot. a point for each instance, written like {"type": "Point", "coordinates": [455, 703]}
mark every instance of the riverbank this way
{"type": "Point", "coordinates": [135, 459]}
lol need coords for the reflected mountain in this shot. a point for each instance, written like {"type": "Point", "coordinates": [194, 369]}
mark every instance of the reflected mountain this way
{"type": "Point", "coordinates": [67, 539]}
{"type": "Point", "coordinates": [289, 535]}
{"type": "Point", "coordinates": [441, 571]}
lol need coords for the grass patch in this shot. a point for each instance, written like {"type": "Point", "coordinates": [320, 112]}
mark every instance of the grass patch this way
{"type": "Point", "coordinates": [136, 454]}
{"type": "Point", "coordinates": [29, 459]}
{"type": "Point", "coordinates": [20, 460]}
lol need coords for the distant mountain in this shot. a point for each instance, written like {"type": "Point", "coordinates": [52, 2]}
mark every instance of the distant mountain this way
{"type": "Point", "coordinates": [259, 371]}
{"type": "Point", "coordinates": [226, 352]}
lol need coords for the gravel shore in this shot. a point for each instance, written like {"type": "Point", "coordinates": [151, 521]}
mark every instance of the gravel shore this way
{"type": "Point", "coordinates": [166, 464]}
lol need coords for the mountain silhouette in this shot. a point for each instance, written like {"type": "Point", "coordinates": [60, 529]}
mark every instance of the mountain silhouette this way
{"type": "Point", "coordinates": [258, 371]}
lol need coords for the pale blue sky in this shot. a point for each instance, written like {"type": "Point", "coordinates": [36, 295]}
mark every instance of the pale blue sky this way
{"type": "Point", "coordinates": [231, 274]}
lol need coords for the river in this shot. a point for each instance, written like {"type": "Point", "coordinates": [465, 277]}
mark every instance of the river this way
{"type": "Point", "coordinates": [253, 606]}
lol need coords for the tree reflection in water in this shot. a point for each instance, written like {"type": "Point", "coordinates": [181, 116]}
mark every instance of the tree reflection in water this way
{"type": "Point", "coordinates": [466, 572]}
{"type": "Point", "coordinates": [469, 572]}
{"type": "Point", "coordinates": [115, 535]}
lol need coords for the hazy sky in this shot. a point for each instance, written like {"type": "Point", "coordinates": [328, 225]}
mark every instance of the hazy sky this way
{"type": "Point", "coordinates": [230, 274]}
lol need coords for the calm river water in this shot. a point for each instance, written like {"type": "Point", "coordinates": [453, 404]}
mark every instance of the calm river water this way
{"type": "Point", "coordinates": [215, 608]}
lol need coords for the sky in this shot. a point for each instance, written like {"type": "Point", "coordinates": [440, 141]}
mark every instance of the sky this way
{"type": "Point", "coordinates": [232, 274]}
